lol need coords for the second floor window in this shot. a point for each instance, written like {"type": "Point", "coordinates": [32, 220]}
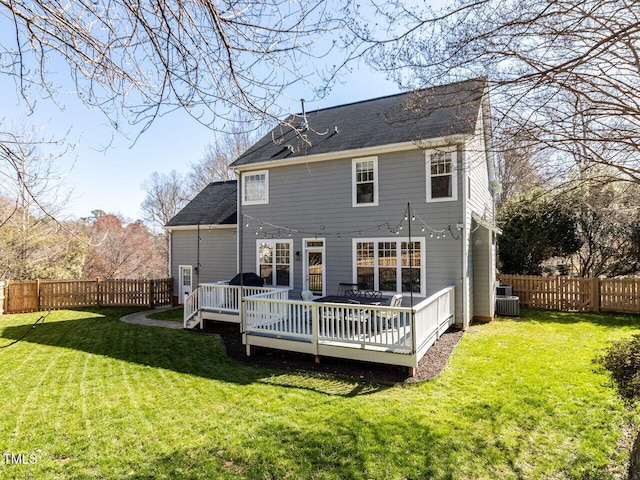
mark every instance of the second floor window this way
{"type": "Point", "coordinates": [255, 188]}
{"type": "Point", "coordinates": [441, 179]}
{"type": "Point", "coordinates": [365, 181]}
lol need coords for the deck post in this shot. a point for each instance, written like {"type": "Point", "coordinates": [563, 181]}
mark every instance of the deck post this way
{"type": "Point", "coordinates": [315, 326]}
{"type": "Point", "coordinates": [411, 371]}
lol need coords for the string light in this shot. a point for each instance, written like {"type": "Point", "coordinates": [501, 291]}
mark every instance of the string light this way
{"type": "Point", "coordinates": [273, 230]}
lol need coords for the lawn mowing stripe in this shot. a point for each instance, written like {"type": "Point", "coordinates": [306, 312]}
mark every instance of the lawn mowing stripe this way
{"type": "Point", "coordinates": [33, 392]}
{"type": "Point", "coordinates": [127, 371]}
{"type": "Point", "coordinates": [88, 426]}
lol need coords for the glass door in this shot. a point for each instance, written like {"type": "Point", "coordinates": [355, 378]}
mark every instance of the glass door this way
{"type": "Point", "coordinates": [314, 271]}
{"type": "Point", "coordinates": [186, 282]}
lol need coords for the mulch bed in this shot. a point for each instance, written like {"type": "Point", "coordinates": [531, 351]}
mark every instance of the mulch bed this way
{"type": "Point", "coordinates": [431, 364]}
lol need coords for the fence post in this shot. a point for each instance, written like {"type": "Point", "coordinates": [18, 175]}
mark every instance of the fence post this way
{"type": "Point", "coordinates": [151, 299]}
{"type": "Point", "coordinates": [98, 293]}
{"type": "Point", "coordinates": [595, 294]}
{"type": "Point", "coordinates": [38, 294]}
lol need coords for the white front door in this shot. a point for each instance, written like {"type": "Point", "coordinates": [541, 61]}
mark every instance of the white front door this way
{"type": "Point", "coordinates": [186, 282]}
{"type": "Point", "coordinates": [314, 267]}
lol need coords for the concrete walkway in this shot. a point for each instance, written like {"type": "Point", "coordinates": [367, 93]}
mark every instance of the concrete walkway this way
{"type": "Point", "coordinates": [140, 318]}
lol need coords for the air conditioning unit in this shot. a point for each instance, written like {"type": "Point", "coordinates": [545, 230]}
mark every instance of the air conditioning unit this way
{"type": "Point", "coordinates": [504, 290]}
{"type": "Point", "coordinates": [508, 306]}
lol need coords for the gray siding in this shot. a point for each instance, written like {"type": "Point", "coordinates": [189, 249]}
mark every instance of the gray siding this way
{"type": "Point", "coordinates": [217, 254]}
{"type": "Point", "coordinates": [484, 270]}
{"type": "Point", "coordinates": [481, 263]}
{"type": "Point", "coordinates": [316, 200]}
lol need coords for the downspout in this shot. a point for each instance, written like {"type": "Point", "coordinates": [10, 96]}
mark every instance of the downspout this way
{"type": "Point", "coordinates": [169, 246]}
{"type": "Point", "coordinates": [463, 240]}
{"type": "Point", "coordinates": [169, 266]}
{"type": "Point", "coordinates": [198, 256]}
{"type": "Point", "coordinates": [239, 223]}
{"type": "Point", "coordinates": [240, 229]}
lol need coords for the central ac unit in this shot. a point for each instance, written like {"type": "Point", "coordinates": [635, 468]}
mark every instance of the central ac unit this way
{"type": "Point", "coordinates": [504, 290]}
{"type": "Point", "coordinates": [508, 306]}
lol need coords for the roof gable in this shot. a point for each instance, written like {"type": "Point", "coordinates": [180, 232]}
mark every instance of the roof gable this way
{"type": "Point", "coordinates": [216, 204]}
{"type": "Point", "coordinates": [408, 117]}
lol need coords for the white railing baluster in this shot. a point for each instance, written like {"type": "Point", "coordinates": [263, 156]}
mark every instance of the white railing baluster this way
{"type": "Point", "coordinates": [401, 330]}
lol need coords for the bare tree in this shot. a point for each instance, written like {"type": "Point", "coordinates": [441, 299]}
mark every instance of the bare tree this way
{"type": "Point", "coordinates": [608, 217]}
{"type": "Point", "coordinates": [567, 68]}
{"type": "Point", "coordinates": [120, 250]}
{"type": "Point", "coordinates": [137, 60]}
{"type": "Point", "coordinates": [220, 153]}
{"type": "Point", "coordinates": [520, 166]}
{"type": "Point", "coordinates": [166, 195]}
{"type": "Point", "coordinates": [32, 243]}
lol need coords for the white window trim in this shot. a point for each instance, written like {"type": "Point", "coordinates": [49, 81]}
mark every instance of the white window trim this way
{"type": "Point", "coordinates": [245, 176]}
{"type": "Point", "coordinates": [454, 176]}
{"type": "Point", "coordinates": [376, 274]}
{"type": "Point", "coordinates": [291, 260]}
{"type": "Point", "coordinates": [354, 187]}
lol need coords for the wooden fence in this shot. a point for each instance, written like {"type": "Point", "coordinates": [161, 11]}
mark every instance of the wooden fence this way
{"type": "Point", "coordinates": [576, 293]}
{"type": "Point", "coordinates": [37, 295]}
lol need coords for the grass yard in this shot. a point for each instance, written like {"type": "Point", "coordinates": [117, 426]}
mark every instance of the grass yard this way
{"type": "Point", "coordinates": [172, 314]}
{"type": "Point", "coordinates": [87, 396]}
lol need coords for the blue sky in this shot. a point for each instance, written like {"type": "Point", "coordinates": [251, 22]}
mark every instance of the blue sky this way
{"type": "Point", "coordinates": [105, 170]}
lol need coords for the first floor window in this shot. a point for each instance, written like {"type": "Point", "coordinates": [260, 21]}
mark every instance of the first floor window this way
{"type": "Point", "coordinates": [274, 263]}
{"type": "Point", "coordinates": [390, 265]}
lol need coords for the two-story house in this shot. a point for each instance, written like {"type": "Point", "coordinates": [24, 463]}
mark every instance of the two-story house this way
{"type": "Point", "coordinates": [330, 198]}
{"type": "Point", "coordinates": [392, 195]}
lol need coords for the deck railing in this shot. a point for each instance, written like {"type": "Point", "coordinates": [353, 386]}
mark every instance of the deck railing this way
{"type": "Point", "coordinates": [191, 308]}
{"type": "Point", "coordinates": [432, 318]}
{"type": "Point", "coordinates": [218, 297]}
{"type": "Point", "coordinates": [399, 330]}
{"type": "Point", "coordinates": [227, 297]}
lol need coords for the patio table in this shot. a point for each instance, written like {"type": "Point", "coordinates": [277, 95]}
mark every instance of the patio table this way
{"type": "Point", "coordinates": [349, 300]}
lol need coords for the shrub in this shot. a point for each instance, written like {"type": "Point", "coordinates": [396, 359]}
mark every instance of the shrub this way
{"type": "Point", "coordinates": [622, 361]}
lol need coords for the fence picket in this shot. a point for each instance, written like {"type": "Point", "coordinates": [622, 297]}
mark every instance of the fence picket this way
{"type": "Point", "coordinates": [30, 296]}
{"type": "Point", "coordinates": [576, 293]}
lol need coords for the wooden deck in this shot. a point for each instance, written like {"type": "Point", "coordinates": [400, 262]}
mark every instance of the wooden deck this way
{"type": "Point", "coordinates": [382, 334]}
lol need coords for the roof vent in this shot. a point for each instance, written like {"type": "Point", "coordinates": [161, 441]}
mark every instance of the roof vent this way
{"type": "Point", "coordinates": [304, 124]}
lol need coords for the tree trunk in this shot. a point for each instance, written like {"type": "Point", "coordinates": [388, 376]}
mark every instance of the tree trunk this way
{"type": "Point", "coordinates": [634, 461]}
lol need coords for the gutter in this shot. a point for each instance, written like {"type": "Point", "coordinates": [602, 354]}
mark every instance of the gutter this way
{"type": "Point", "coordinates": [196, 227]}
{"type": "Point", "coordinates": [356, 152]}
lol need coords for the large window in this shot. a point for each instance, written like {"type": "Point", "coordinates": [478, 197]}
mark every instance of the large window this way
{"type": "Point", "coordinates": [390, 265]}
{"type": "Point", "coordinates": [274, 263]}
{"type": "Point", "coordinates": [365, 181]}
{"type": "Point", "coordinates": [255, 188]}
{"type": "Point", "coordinates": [441, 178]}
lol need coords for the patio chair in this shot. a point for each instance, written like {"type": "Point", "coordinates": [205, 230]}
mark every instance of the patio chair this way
{"type": "Point", "coordinates": [306, 295]}
{"type": "Point", "coordinates": [396, 300]}
{"type": "Point", "coordinates": [390, 320]}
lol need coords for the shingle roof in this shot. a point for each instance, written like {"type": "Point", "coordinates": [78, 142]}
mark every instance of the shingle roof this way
{"type": "Point", "coordinates": [419, 115]}
{"type": "Point", "coordinates": [216, 204]}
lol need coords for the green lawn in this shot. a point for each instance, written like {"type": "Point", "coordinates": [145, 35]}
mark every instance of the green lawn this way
{"type": "Point", "coordinates": [173, 314]}
{"type": "Point", "coordinates": [92, 397]}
